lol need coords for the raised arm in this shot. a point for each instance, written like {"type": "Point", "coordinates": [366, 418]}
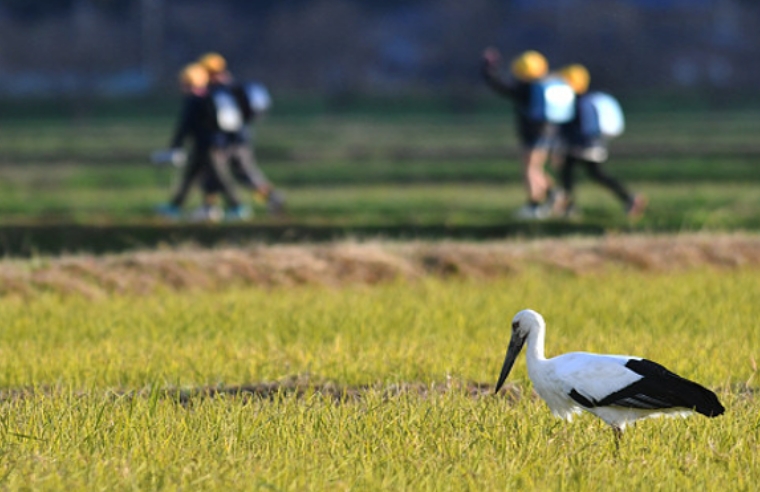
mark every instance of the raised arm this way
{"type": "Point", "coordinates": [489, 69]}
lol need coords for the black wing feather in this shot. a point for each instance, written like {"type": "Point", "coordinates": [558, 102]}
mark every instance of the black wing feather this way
{"type": "Point", "coordinates": [658, 389]}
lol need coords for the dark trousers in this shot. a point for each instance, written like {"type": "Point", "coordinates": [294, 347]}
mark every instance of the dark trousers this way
{"type": "Point", "coordinates": [243, 168]}
{"type": "Point", "coordinates": [595, 172]}
{"type": "Point", "coordinates": [214, 162]}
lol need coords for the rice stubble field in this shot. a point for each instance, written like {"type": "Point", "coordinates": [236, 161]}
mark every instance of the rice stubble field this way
{"type": "Point", "coordinates": [371, 382]}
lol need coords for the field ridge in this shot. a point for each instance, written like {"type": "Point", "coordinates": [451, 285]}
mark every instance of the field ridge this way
{"type": "Point", "coordinates": [372, 262]}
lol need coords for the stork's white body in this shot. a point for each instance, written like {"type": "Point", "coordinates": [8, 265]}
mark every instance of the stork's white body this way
{"type": "Point", "coordinates": [618, 389]}
{"type": "Point", "coordinates": [592, 375]}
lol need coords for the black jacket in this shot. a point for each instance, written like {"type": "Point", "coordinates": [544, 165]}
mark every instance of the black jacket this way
{"type": "Point", "coordinates": [196, 121]}
{"type": "Point", "coordinates": [520, 94]}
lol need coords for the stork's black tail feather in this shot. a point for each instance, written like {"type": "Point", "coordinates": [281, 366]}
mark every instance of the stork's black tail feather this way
{"type": "Point", "coordinates": [701, 399]}
{"type": "Point", "coordinates": [661, 388]}
{"type": "Point", "coordinates": [713, 407]}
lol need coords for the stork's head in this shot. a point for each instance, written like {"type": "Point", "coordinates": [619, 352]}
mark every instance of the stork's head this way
{"type": "Point", "coordinates": [524, 322]}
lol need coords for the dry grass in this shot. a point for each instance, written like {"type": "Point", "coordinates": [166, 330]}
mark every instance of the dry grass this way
{"type": "Point", "coordinates": [298, 386]}
{"type": "Point", "coordinates": [369, 263]}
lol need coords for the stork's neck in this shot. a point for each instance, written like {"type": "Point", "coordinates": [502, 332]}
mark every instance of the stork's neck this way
{"type": "Point", "coordinates": [535, 346]}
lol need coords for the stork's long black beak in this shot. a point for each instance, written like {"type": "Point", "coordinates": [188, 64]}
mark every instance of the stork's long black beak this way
{"type": "Point", "coordinates": [515, 346]}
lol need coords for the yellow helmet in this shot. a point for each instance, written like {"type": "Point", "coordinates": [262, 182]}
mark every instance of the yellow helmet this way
{"type": "Point", "coordinates": [194, 75]}
{"type": "Point", "coordinates": [530, 65]}
{"type": "Point", "coordinates": [213, 62]}
{"type": "Point", "coordinates": [576, 77]}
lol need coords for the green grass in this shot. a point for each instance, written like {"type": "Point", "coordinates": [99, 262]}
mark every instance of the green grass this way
{"type": "Point", "coordinates": [106, 195]}
{"type": "Point", "coordinates": [394, 168]}
{"type": "Point", "coordinates": [73, 432]}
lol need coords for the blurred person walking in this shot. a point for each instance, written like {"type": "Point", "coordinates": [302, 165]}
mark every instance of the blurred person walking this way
{"type": "Point", "coordinates": [597, 118]}
{"type": "Point", "coordinates": [237, 107]}
{"type": "Point", "coordinates": [535, 130]}
{"type": "Point", "coordinates": [196, 121]}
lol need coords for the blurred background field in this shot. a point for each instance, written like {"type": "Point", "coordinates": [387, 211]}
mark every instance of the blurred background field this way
{"type": "Point", "coordinates": [364, 166]}
{"type": "Point", "coordinates": [381, 124]}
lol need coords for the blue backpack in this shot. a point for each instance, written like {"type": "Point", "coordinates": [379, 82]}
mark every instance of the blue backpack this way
{"type": "Point", "coordinates": [601, 116]}
{"type": "Point", "coordinates": [551, 100]}
{"type": "Point", "coordinates": [258, 97]}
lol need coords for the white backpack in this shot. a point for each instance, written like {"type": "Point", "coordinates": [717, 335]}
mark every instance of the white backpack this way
{"type": "Point", "coordinates": [609, 114]}
{"type": "Point", "coordinates": [551, 100]}
{"type": "Point", "coordinates": [229, 118]}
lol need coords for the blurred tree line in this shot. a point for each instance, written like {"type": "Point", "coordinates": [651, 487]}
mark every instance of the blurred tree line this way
{"type": "Point", "coordinates": [344, 47]}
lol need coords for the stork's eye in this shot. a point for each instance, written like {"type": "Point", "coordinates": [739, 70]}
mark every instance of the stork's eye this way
{"type": "Point", "coordinates": [515, 325]}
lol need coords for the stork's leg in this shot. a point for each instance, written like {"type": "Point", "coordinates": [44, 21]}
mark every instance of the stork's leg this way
{"type": "Point", "coordinates": [618, 436]}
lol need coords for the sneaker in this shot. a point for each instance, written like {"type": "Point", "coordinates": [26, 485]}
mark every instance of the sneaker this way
{"type": "Point", "coordinates": [169, 211]}
{"type": "Point", "coordinates": [241, 212]}
{"type": "Point", "coordinates": [636, 208]}
{"type": "Point", "coordinates": [543, 212]}
{"type": "Point", "coordinates": [207, 213]}
{"type": "Point", "coordinates": [214, 213]}
{"type": "Point", "coordinates": [532, 212]}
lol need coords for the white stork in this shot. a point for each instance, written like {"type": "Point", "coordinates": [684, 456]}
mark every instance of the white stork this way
{"type": "Point", "coordinates": [616, 388]}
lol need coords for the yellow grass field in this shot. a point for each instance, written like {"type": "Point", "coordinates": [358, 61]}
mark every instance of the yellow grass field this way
{"type": "Point", "coordinates": [368, 366]}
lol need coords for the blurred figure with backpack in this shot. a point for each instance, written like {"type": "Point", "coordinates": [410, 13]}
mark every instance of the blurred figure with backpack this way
{"type": "Point", "coordinates": [598, 117]}
{"type": "Point", "coordinates": [540, 103]}
{"type": "Point", "coordinates": [197, 122]}
{"type": "Point", "coordinates": [237, 106]}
